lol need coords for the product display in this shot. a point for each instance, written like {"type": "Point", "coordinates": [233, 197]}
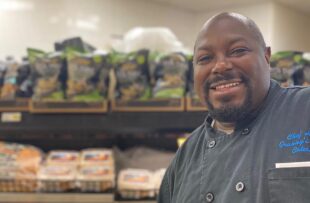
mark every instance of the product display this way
{"type": "Point", "coordinates": [102, 63]}
{"type": "Point", "coordinates": [83, 78]}
{"type": "Point", "coordinates": [57, 178]}
{"type": "Point", "coordinates": [286, 68]}
{"type": "Point", "coordinates": [136, 184]}
{"type": "Point", "coordinates": [96, 178]}
{"type": "Point", "coordinates": [170, 76]}
{"type": "Point", "coordinates": [63, 157]}
{"type": "Point", "coordinates": [23, 80]}
{"type": "Point", "coordinates": [2, 74]}
{"type": "Point", "coordinates": [132, 76]}
{"type": "Point", "coordinates": [19, 166]}
{"type": "Point", "coordinates": [158, 177]}
{"type": "Point", "coordinates": [47, 75]}
{"type": "Point", "coordinates": [9, 86]}
{"type": "Point", "coordinates": [103, 157]}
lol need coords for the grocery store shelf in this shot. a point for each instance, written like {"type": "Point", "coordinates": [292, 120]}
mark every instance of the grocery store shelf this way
{"type": "Point", "coordinates": [115, 122]}
{"type": "Point", "coordinates": [55, 198]}
{"type": "Point", "coordinates": [61, 198]}
{"type": "Point", "coordinates": [143, 201]}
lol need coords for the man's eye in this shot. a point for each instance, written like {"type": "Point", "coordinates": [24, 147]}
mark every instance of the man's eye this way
{"type": "Point", "coordinates": [238, 51]}
{"type": "Point", "coordinates": [205, 58]}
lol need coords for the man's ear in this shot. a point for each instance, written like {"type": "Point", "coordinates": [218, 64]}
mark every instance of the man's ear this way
{"type": "Point", "coordinates": [267, 54]}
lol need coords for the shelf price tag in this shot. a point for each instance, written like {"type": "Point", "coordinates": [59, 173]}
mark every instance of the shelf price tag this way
{"type": "Point", "coordinates": [11, 117]}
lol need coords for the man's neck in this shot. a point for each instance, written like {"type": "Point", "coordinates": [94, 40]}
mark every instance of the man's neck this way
{"type": "Point", "coordinates": [228, 128]}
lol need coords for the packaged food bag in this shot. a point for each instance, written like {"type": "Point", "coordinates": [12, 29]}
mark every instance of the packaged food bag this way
{"type": "Point", "coordinates": [132, 76]}
{"type": "Point", "coordinates": [284, 65]}
{"type": "Point", "coordinates": [170, 76]}
{"type": "Point", "coordinates": [83, 77]}
{"type": "Point", "coordinates": [9, 87]}
{"type": "Point", "coordinates": [23, 80]}
{"type": "Point", "coordinates": [102, 64]}
{"type": "Point", "coordinates": [47, 76]}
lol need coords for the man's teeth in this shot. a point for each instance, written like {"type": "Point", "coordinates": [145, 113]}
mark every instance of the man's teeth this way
{"type": "Point", "coordinates": [227, 85]}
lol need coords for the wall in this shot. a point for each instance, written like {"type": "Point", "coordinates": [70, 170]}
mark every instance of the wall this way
{"type": "Point", "coordinates": [96, 21]}
{"type": "Point", "coordinates": [42, 23]}
{"type": "Point", "coordinates": [283, 28]}
{"type": "Point", "coordinates": [291, 30]}
{"type": "Point", "coordinates": [260, 13]}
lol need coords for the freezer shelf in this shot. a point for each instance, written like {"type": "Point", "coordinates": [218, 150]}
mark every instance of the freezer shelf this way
{"type": "Point", "coordinates": [61, 198]}
{"type": "Point", "coordinates": [55, 198]}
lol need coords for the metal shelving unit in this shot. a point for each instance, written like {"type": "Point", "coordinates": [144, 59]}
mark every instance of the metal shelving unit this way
{"type": "Point", "coordinates": [77, 129]}
{"type": "Point", "coordinates": [61, 198]}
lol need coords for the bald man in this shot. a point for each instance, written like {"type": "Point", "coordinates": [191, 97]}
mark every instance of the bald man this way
{"type": "Point", "coordinates": [254, 145]}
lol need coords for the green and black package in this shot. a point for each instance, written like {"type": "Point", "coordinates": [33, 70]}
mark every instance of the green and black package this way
{"type": "Point", "coordinates": [83, 77]}
{"type": "Point", "coordinates": [102, 66]}
{"type": "Point", "coordinates": [47, 75]}
{"type": "Point", "coordinates": [190, 88]}
{"type": "Point", "coordinates": [9, 87]}
{"type": "Point", "coordinates": [74, 43]}
{"type": "Point", "coordinates": [23, 80]}
{"type": "Point", "coordinates": [2, 74]}
{"type": "Point", "coordinates": [132, 75]}
{"type": "Point", "coordinates": [286, 67]}
{"type": "Point", "coordinates": [306, 72]}
{"type": "Point", "coordinates": [170, 76]}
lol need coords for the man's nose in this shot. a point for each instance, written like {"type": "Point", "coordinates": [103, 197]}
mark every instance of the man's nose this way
{"type": "Point", "coordinates": [221, 65]}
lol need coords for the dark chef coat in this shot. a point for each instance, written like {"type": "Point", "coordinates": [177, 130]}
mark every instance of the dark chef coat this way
{"type": "Point", "coordinates": [241, 167]}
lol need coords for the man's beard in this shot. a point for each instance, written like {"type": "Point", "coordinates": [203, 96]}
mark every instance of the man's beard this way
{"type": "Point", "coordinates": [228, 112]}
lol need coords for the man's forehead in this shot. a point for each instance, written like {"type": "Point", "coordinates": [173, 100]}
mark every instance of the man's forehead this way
{"type": "Point", "coordinates": [204, 43]}
{"type": "Point", "coordinates": [234, 17]}
{"type": "Point", "coordinates": [231, 28]}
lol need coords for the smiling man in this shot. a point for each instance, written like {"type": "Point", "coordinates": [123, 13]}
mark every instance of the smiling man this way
{"type": "Point", "coordinates": [254, 145]}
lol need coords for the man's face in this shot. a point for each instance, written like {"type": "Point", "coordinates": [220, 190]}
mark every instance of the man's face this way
{"type": "Point", "coordinates": [231, 69]}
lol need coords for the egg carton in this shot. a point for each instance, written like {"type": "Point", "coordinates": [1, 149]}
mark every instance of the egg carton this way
{"type": "Point", "coordinates": [137, 194]}
{"type": "Point", "coordinates": [96, 186]}
{"type": "Point", "coordinates": [23, 185]}
{"type": "Point", "coordinates": [57, 185]}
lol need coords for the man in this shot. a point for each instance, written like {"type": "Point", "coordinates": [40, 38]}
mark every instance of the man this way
{"type": "Point", "coordinates": [254, 145]}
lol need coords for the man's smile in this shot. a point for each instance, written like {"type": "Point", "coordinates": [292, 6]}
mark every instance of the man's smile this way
{"type": "Point", "coordinates": [226, 88]}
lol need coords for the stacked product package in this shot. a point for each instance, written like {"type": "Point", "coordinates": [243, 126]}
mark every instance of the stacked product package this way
{"type": "Point", "coordinates": [158, 177]}
{"type": "Point", "coordinates": [136, 184]}
{"type": "Point", "coordinates": [19, 165]}
{"type": "Point", "coordinates": [169, 73]}
{"type": "Point", "coordinates": [132, 75]}
{"type": "Point", "coordinates": [88, 76]}
{"type": "Point", "coordinates": [290, 68]}
{"type": "Point", "coordinates": [139, 183]}
{"type": "Point", "coordinates": [96, 172]}
{"type": "Point", "coordinates": [14, 79]}
{"type": "Point", "coordinates": [91, 170]}
{"type": "Point", "coordinates": [58, 173]}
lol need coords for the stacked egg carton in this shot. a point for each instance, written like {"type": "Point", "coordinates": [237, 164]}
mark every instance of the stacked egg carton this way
{"type": "Point", "coordinates": [19, 165]}
{"type": "Point", "coordinates": [136, 184]}
{"type": "Point", "coordinates": [158, 177]}
{"type": "Point", "coordinates": [96, 172]}
{"type": "Point", "coordinates": [58, 174]}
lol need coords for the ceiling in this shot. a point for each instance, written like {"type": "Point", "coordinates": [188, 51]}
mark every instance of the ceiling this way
{"type": "Point", "coordinates": [205, 5]}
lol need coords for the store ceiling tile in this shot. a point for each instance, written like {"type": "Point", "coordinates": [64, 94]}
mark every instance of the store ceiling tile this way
{"type": "Point", "coordinates": [205, 5]}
